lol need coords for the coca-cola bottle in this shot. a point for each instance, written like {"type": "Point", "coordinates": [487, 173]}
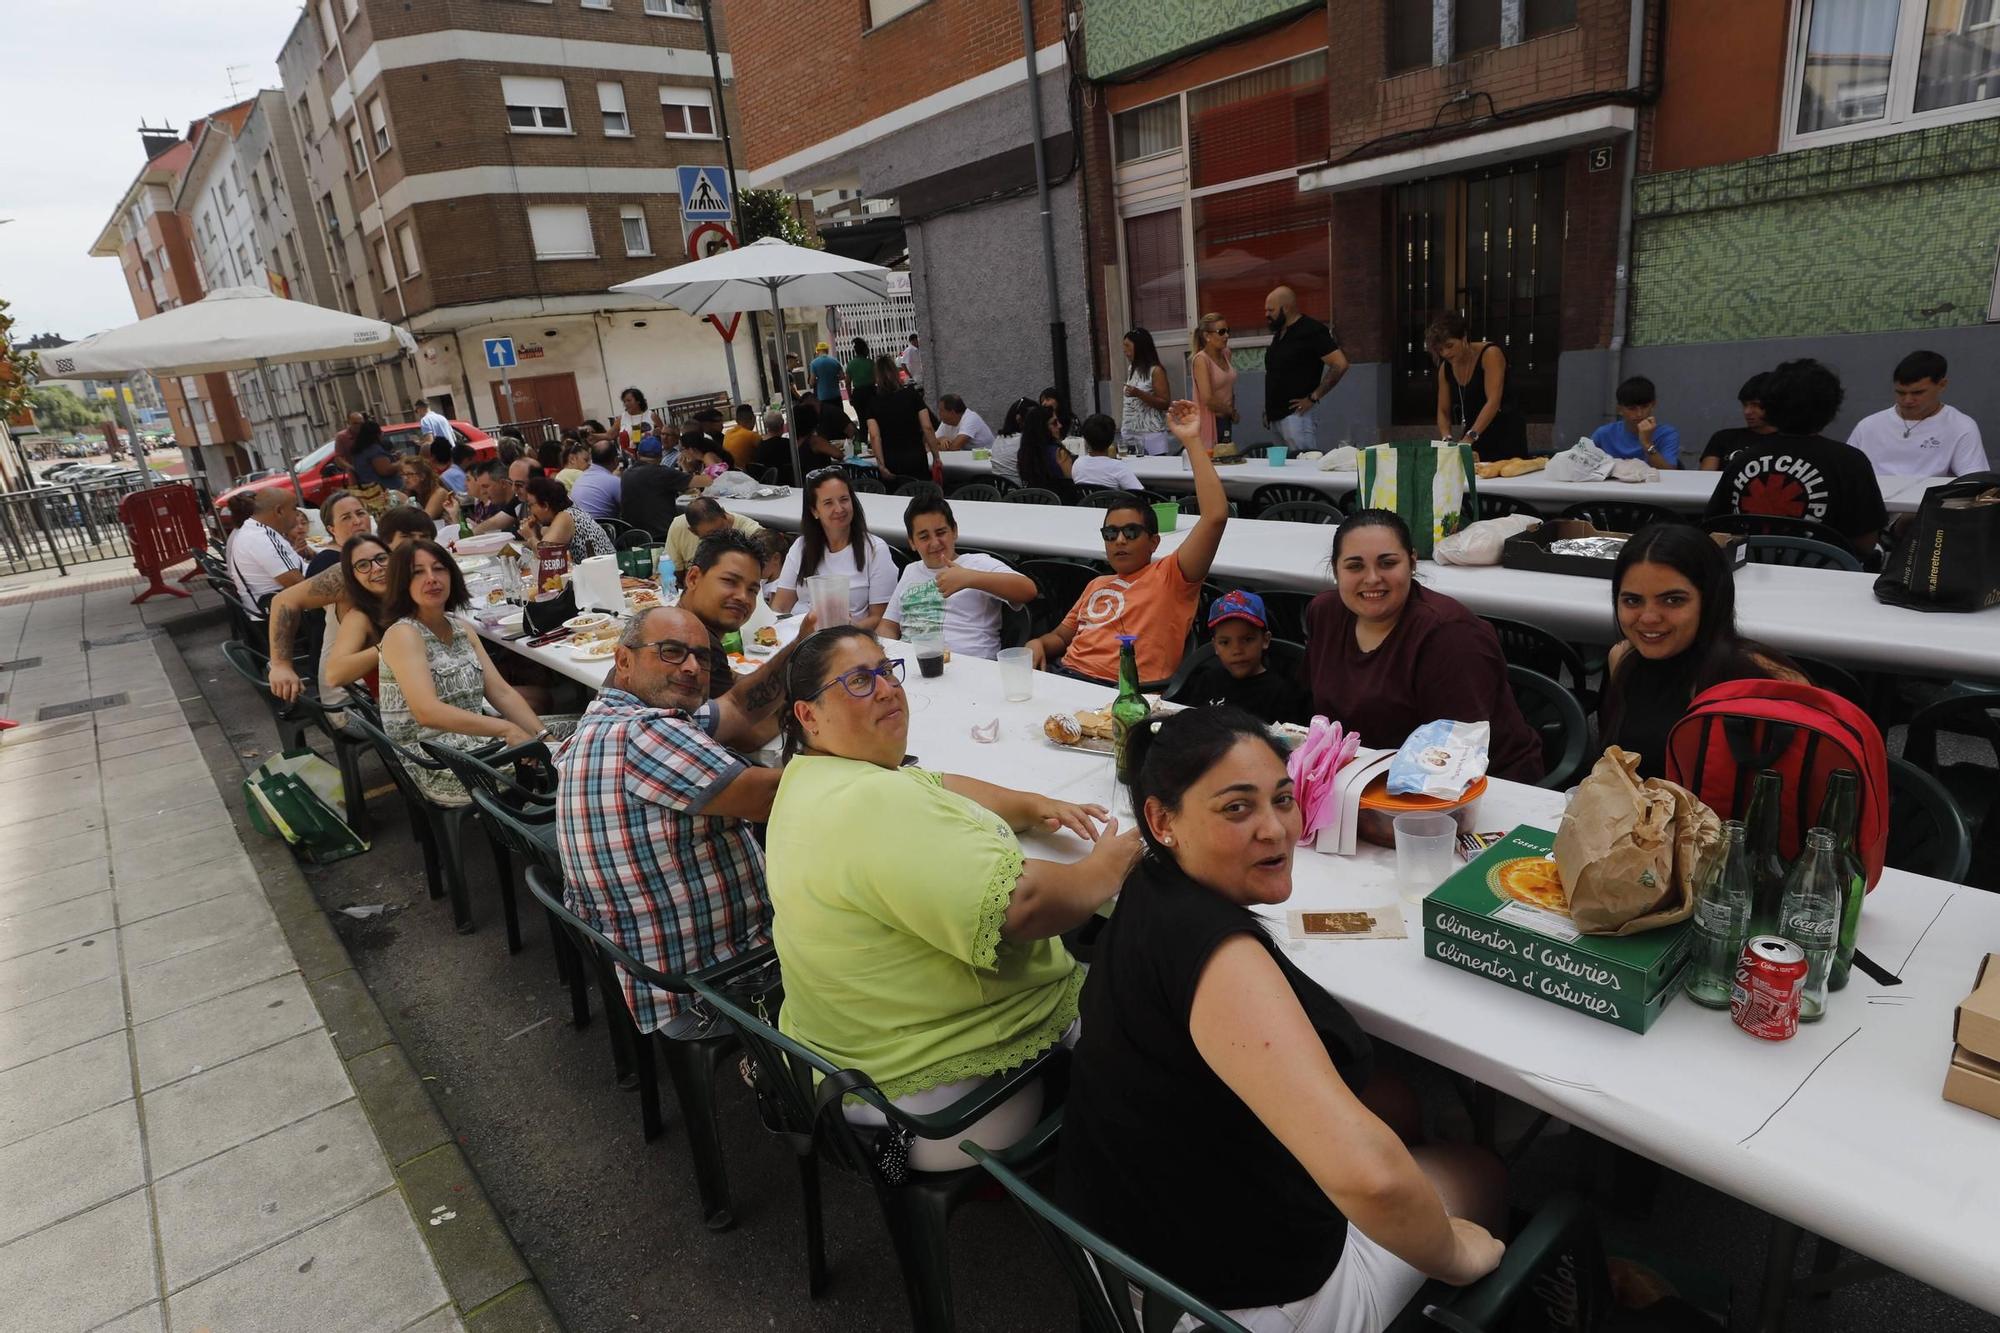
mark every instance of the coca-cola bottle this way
{"type": "Point", "coordinates": [1721, 921]}
{"type": "Point", "coordinates": [1810, 916]}
{"type": "Point", "coordinates": [1837, 813]}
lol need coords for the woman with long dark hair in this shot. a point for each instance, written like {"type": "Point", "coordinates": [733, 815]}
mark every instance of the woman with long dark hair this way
{"type": "Point", "coordinates": [424, 488]}
{"type": "Point", "coordinates": [375, 471]}
{"type": "Point", "coordinates": [1474, 404]}
{"type": "Point", "coordinates": [351, 653]}
{"type": "Point", "coordinates": [1143, 425]}
{"type": "Point", "coordinates": [834, 539]}
{"type": "Point", "coordinates": [1007, 441]}
{"type": "Point", "coordinates": [1674, 600]}
{"type": "Point", "coordinates": [901, 435]}
{"type": "Point", "coordinates": [1043, 461]}
{"type": "Point", "coordinates": [1053, 399]}
{"type": "Point", "coordinates": [1293, 1203]}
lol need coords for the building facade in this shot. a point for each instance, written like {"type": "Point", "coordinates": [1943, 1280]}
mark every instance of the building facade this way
{"type": "Point", "coordinates": [493, 171]}
{"type": "Point", "coordinates": [154, 245]}
{"type": "Point", "coordinates": [933, 114]}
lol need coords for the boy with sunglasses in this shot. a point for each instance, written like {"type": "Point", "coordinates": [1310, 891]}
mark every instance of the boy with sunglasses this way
{"type": "Point", "coordinates": [1154, 600]}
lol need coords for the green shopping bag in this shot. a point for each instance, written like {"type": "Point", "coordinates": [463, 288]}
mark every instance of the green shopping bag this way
{"type": "Point", "coordinates": [297, 797]}
{"type": "Point", "coordinates": [1429, 484]}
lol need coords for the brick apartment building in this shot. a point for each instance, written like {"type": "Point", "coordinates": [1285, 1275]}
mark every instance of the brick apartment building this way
{"type": "Point", "coordinates": [925, 102]}
{"type": "Point", "coordinates": [493, 169]}
{"type": "Point", "coordinates": [153, 244]}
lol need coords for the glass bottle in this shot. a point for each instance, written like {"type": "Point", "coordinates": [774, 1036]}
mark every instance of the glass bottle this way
{"type": "Point", "coordinates": [1837, 814]}
{"type": "Point", "coordinates": [1129, 709]}
{"type": "Point", "coordinates": [1767, 867]}
{"type": "Point", "coordinates": [1721, 920]}
{"type": "Point", "coordinates": [1810, 916]}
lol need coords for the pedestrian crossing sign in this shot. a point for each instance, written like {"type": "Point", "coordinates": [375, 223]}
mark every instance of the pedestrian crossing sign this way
{"type": "Point", "coordinates": [704, 194]}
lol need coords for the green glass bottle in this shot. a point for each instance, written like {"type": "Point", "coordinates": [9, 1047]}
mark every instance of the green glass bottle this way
{"type": "Point", "coordinates": [1767, 865]}
{"type": "Point", "coordinates": [1129, 709]}
{"type": "Point", "coordinates": [1837, 812]}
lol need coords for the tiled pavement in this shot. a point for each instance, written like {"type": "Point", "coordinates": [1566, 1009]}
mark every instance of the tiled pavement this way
{"type": "Point", "coordinates": [181, 1141]}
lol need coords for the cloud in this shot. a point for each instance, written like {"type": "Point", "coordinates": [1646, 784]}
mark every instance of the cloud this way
{"type": "Point", "coordinates": [95, 69]}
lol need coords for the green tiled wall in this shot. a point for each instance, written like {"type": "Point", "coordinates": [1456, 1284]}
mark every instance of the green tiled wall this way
{"type": "Point", "coordinates": [1891, 233]}
{"type": "Point", "coordinates": [1122, 35]}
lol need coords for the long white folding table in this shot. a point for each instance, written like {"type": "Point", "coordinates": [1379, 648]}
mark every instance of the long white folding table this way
{"type": "Point", "coordinates": [1826, 614]}
{"type": "Point", "coordinates": [1684, 492]}
{"type": "Point", "coordinates": [1841, 1131]}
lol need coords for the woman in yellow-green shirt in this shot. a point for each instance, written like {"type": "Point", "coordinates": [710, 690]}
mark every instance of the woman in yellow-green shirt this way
{"type": "Point", "coordinates": [918, 943]}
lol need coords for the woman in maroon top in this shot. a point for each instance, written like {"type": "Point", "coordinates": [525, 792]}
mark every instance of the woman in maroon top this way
{"type": "Point", "coordinates": [1384, 655]}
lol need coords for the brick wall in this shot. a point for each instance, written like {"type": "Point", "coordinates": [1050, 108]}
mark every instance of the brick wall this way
{"type": "Point", "coordinates": [1590, 57]}
{"type": "Point", "coordinates": [1590, 249]}
{"type": "Point", "coordinates": [806, 74]}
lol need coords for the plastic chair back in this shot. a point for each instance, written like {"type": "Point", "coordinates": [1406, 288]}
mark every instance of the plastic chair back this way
{"type": "Point", "coordinates": [1191, 504]}
{"type": "Point", "coordinates": [915, 486]}
{"type": "Point", "coordinates": [254, 667]}
{"type": "Point", "coordinates": [1622, 515]}
{"type": "Point", "coordinates": [1773, 525]}
{"type": "Point", "coordinates": [1505, 506]}
{"type": "Point", "coordinates": [1801, 553]}
{"type": "Point", "coordinates": [1061, 583]}
{"type": "Point", "coordinates": [633, 538]}
{"type": "Point", "coordinates": [865, 483]}
{"type": "Point", "coordinates": [1927, 829]}
{"type": "Point", "coordinates": [1285, 612]}
{"type": "Point", "coordinates": [1302, 511]}
{"type": "Point", "coordinates": [1836, 678]}
{"type": "Point", "coordinates": [1287, 492]}
{"type": "Point", "coordinates": [1538, 650]}
{"type": "Point", "coordinates": [1031, 495]}
{"type": "Point", "coordinates": [1558, 719]}
{"type": "Point", "coordinates": [1282, 658]}
{"type": "Point", "coordinates": [975, 490]}
{"type": "Point", "coordinates": [1098, 497]}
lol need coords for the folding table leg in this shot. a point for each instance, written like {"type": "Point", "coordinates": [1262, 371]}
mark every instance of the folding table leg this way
{"type": "Point", "coordinates": [1781, 1253]}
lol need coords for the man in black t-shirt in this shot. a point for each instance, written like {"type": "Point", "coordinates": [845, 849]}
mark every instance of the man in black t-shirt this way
{"type": "Point", "coordinates": [1301, 366]}
{"type": "Point", "coordinates": [648, 489]}
{"type": "Point", "coordinates": [1726, 443]}
{"type": "Point", "coordinates": [774, 451]}
{"type": "Point", "coordinates": [1238, 674]}
{"type": "Point", "coordinates": [1799, 473]}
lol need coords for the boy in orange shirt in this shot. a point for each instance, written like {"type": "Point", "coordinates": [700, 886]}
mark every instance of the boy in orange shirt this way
{"type": "Point", "coordinates": [1154, 600]}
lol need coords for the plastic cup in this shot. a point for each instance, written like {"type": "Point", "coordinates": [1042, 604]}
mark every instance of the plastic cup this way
{"type": "Point", "coordinates": [828, 593]}
{"type": "Point", "coordinates": [929, 650]}
{"type": "Point", "coordinates": [1017, 674]}
{"type": "Point", "coordinates": [1168, 514]}
{"type": "Point", "coordinates": [1426, 848]}
{"type": "Point", "coordinates": [1277, 454]}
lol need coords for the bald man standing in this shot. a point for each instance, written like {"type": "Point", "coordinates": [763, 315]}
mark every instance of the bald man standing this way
{"type": "Point", "coordinates": [1301, 367]}
{"type": "Point", "coordinates": [260, 554]}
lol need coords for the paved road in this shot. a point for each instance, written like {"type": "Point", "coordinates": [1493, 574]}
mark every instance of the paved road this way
{"type": "Point", "coordinates": [608, 1221]}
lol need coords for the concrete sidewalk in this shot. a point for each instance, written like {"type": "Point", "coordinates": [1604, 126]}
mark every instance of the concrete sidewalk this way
{"type": "Point", "coordinates": [204, 1121]}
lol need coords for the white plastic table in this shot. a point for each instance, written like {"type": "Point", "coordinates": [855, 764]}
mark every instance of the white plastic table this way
{"type": "Point", "coordinates": [1827, 614]}
{"type": "Point", "coordinates": [1684, 492]}
{"type": "Point", "coordinates": [1842, 1130]}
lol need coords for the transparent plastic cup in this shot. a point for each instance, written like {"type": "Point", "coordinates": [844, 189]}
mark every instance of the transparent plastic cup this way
{"type": "Point", "coordinates": [1017, 674]}
{"type": "Point", "coordinates": [829, 598]}
{"type": "Point", "coordinates": [1426, 852]}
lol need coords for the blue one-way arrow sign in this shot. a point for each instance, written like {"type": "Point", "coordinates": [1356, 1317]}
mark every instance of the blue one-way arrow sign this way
{"type": "Point", "coordinates": [704, 194]}
{"type": "Point", "coordinates": [500, 354]}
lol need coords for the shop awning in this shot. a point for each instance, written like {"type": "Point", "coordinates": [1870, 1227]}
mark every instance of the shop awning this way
{"type": "Point", "coordinates": [1471, 151]}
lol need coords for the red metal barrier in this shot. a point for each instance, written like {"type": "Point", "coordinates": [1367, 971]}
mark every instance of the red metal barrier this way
{"type": "Point", "coordinates": [164, 525]}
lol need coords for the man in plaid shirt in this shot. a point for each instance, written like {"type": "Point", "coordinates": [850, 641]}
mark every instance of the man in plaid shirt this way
{"type": "Point", "coordinates": [651, 809]}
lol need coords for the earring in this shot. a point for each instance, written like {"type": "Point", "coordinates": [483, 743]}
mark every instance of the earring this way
{"type": "Point", "coordinates": [1167, 841]}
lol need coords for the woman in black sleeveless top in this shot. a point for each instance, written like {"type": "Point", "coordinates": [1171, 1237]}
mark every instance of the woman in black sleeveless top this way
{"type": "Point", "coordinates": [1218, 1125]}
{"type": "Point", "coordinates": [1472, 408]}
{"type": "Point", "coordinates": [1675, 600]}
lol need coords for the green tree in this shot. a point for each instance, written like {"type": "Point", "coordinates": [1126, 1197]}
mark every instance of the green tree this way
{"type": "Point", "coordinates": [59, 409]}
{"type": "Point", "coordinates": [17, 369]}
{"type": "Point", "coordinates": [761, 213]}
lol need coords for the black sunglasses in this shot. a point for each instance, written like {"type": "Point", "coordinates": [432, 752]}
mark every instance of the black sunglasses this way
{"type": "Point", "coordinates": [835, 471]}
{"type": "Point", "coordinates": [1131, 532]}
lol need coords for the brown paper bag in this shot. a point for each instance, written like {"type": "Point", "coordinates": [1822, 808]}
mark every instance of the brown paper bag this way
{"type": "Point", "coordinates": [1631, 852]}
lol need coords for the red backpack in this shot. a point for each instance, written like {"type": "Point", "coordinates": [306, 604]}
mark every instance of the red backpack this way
{"type": "Point", "coordinates": [1740, 727]}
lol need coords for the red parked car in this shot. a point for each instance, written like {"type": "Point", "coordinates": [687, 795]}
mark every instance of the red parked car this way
{"type": "Point", "coordinates": [398, 439]}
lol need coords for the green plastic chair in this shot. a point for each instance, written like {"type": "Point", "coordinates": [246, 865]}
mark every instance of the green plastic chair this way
{"type": "Point", "coordinates": [692, 1062]}
{"type": "Point", "coordinates": [1283, 657]}
{"type": "Point", "coordinates": [1558, 719]}
{"type": "Point", "coordinates": [1561, 1240]}
{"type": "Point", "coordinates": [528, 830]}
{"type": "Point", "coordinates": [1928, 834]}
{"type": "Point", "coordinates": [801, 1094]}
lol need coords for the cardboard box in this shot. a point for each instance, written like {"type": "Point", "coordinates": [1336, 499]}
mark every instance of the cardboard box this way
{"type": "Point", "coordinates": [1977, 1027]}
{"type": "Point", "coordinates": [1634, 1013]}
{"type": "Point", "coordinates": [1531, 550]}
{"type": "Point", "coordinates": [1470, 909]}
{"type": "Point", "coordinates": [1973, 1082]}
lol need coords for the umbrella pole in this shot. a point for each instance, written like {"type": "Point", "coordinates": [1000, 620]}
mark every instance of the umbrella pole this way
{"type": "Point", "coordinates": [278, 425]}
{"type": "Point", "coordinates": [785, 389]}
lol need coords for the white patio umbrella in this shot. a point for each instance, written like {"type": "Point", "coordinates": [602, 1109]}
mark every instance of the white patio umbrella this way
{"type": "Point", "coordinates": [232, 328]}
{"type": "Point", "coordinates": [764, 273]}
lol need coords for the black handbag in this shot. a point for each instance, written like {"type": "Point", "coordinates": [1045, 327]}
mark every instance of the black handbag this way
{"type": "Point", "coordinates": [550, 612]}
{"type": "Point", "coordinates": [1949, 557]}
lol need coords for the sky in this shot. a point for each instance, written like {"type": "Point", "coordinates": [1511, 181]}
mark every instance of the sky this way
{"type": "Point", "coordinates": [81, 75]}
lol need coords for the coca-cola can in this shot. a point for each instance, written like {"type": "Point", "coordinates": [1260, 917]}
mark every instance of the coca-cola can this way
{"type": "Point", "coordinates": [1770, 977]}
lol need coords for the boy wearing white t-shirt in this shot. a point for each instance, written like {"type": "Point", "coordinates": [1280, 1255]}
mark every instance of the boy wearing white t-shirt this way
{"type": "Point", "coordinates": [975, 587]}
{"type": "Point", "coordinates": [1097, 467]}
{"type": "Point", "coordinates": [1922, 435]}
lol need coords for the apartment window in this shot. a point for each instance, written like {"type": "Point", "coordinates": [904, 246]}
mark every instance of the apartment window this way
{"type": "Point", "coordinates": [350, 8]}
{"type": "Point", "coordinates": [387, 273]}
{"type": "Point", "coordinates": [358, 147]}
{"type": "Point", "coordinates": [305, 114]}
{"type": "Point", "coordinates": [327, 29]}
{"type": "Point", "coordinates": [330, 213]}
{"type": "Point", "coordinates": [257, 190]}
{"type": "Point", "coordinates": [1156, 272]}
{"type": "Point", "coordinates": [597, 4]}
{"type": "Point", "coordinates": [675, 9]}
{"type": "Point", "coordinates": [243, 264]}
{"type": "Point", "coordinates": [611, 103]}
{"type": "Point", "coordinates": [881, 11]}
{"type": "Point", "coordinates": [1475, 25]}
{"type": "Point", "coordinates": [1864, 67]}
{"type": "Point", "coordinates": [1148, 131]}
{"type": "Point", "coordinates": [632, 221]}
{"type": "Point", "coordinates": [1271, 119]}
{"type": "Point", "coordinates": [406, 241]}
{"type": "Point", "coordinates": [378, 124]}
{"type": "Point", "coordinates": [166, 265]}
{"type": "Point", "coordinates": [689, 112]}
{"type": "Point", "coordinates": [535, 106]}
{"type": "Point", "coordinates": [1540, 16]}
{"type": "Point", "coordinates": [1409, 35]}
{"type": "Point", "coordinates": [1248, 241]}
{"type": "Point", "coordinates": [561, 231]}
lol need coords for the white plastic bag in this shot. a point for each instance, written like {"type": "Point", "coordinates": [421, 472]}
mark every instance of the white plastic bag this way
{"type": "Point", "coordinates": [1582, 461]}
{"type": "Point", "coordinates": [1440, 759]}
{"type": "Point", "coordinates": [1346, 458]}
{"type": "Point", "coordinates": [1632, 469]}
{"type": "Point", "coordinates": [733, 485]}
{"type": "Point", "coordinates": [1479, 543]}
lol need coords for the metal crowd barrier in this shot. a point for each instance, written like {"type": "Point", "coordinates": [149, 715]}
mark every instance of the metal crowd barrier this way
{"type": "Point", "coordinates": [54, 527]}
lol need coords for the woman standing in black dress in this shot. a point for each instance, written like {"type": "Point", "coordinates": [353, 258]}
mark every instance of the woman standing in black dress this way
{"type": "Point", "coordinates": [1474, 406]}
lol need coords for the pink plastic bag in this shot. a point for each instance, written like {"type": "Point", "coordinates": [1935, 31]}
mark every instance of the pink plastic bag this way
{"type": "Point", "coordinates": [1313, 765]}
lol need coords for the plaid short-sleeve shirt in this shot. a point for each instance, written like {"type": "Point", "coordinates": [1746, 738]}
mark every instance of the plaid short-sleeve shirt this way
{"type": "Point", "coordinates": [679, 889]}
